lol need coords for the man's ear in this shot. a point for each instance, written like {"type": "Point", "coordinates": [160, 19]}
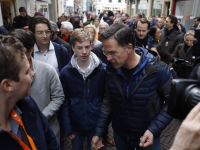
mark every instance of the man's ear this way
{"type": "Point", "coordinates": [7, 85]}
{"type": "Point", "coordinates": [129, 48]}
{"type": "Point", "coordinates": [31, 51]}
{"type": "Point", "coordinates": [72, 47]}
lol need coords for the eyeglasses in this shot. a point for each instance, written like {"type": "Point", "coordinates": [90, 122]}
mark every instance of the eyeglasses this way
{"type": "Point", "coordinates": [41, 33]}
{"type": "Point", "coordinates": [110, 53]}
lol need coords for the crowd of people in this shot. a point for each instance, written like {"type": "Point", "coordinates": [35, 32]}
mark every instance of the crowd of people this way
{"type": "Point", "coordinates": [73, 78]}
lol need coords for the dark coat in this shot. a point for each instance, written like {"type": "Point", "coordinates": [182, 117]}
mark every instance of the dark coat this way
{"type": "Point", "coordinates": [150, 41]}
{"type": "Point", "coordinates": [179, 52]}
{"type": "Point", "coordinates": [19, 22]}
{"type": "Point", "coordinates": [76, 25]}
{"type": "Point", "coordinates": [62, 55]}
{"type": "Point", "coordinates": [98, 50]}
{"type": "Point", "coordinates": [171, 41]}
{"type": "Point", "coordinates": [183, 30]}
{"type": "Point", "coordinates": [58, 40]}
{"type": "Point", "coordinates": [107, 20]}
{"type": "Point", "coordinates": [183, 71]}
{"type": "Point", "coordinates": [196, 70]}
{"type": "Point", "coordinates": [193, 27]}
{"type": "Point", "coordinates": [36, 126]}
{"type": "Point", "coordinates": [138, 104]}
{"type": "Point", "coordinates": [128, 22]}
{"type": "Point", "coordinates": [83, 99]}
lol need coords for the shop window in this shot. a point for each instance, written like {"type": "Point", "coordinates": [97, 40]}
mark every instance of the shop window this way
{"type": "Point", "coordinates": [157, 7]}
{"type": "Point", "coordinates": [110, 1]}
{"type": "Point", "coordinates": [142, 7]}
{"type": "Point", "coordinates": [184, 8]}
{"type": "Point", "coordinates": [119, 1]}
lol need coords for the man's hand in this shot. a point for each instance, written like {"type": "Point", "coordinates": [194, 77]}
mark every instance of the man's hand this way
{"type": "Point", "coordinates": [188, 135]}
{"type": "Point", "coordinates": [97, 143]}
{"type": "Point", "coordinates": [147, 139]}
{"type": "Point", "coordinates": [71, 136]}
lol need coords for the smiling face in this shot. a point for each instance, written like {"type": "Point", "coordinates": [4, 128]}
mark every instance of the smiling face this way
{"type": "Point", "coordinates": [82, 50]}
{"type": "Point", "coordinates": [168, 24]}
{"type": "Point", "coordinates": [158, 34]}
{"type": "Point", "coordinates": [116, 54]}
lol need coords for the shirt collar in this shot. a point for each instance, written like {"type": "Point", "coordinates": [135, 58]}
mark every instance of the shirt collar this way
{"type": "Point", "coordinates": [51, 48]}
{"type": "Point", "coordinates": [88, 68]}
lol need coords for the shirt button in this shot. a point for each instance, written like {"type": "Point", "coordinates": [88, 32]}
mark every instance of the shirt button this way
{"type": "Point", "coordinates": [33, 138]}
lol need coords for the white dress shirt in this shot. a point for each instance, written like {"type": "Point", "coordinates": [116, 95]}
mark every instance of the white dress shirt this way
{"type": "Point", "coordinates": [48, 56]}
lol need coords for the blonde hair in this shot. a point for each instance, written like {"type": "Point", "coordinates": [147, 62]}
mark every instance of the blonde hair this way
{"type": "Point", "coordinates": [190, 32]}
{"type": "Point", "coordinates": [94, 29]}
{"type": "Point", "coordinates": [80, 35]}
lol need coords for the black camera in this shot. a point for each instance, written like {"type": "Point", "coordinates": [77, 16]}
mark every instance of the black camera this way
{"type": "Point", "coordinates": [185, 94]}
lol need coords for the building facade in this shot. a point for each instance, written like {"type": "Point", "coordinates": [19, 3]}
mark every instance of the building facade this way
{"type": "Point", "coordinates": [11, 7]}
{"type": "Point", "coordinates": [186, 10]}
{"type": "Point", "coordinates": [149, 7]}
{"type": "Point", "coordinates": [106, 5]}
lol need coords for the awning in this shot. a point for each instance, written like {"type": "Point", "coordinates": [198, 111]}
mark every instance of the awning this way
{"type": "Point", "coordinates": [48, 1]}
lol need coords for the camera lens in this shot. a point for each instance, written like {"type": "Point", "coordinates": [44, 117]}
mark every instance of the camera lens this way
{"type": "Point", "coordinates": [191, 97]}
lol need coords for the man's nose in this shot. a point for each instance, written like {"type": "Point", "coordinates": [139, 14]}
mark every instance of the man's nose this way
{"type": "Point", "coordinates": [109, 57]}
{"type": "Point", "coordinates": [31, 73]}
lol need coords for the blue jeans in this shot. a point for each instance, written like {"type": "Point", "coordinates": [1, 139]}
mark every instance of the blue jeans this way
{"type": "Point", "coordinates": [78, 141]}
{"type": "Point", "coordinates": [121, 143]}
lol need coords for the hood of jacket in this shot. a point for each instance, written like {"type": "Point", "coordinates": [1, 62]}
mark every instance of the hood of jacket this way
{"type": "Point", "coordinates": [95, 62]}
{"type": "Point", "coordinates": [146, 57]}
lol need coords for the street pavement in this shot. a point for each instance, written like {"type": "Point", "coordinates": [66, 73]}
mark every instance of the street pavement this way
{"type": "Point", "coordinates": [166, 137]}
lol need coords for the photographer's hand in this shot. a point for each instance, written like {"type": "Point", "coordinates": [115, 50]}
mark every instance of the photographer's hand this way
{"type": "Point", "coordinates": [188, 136]}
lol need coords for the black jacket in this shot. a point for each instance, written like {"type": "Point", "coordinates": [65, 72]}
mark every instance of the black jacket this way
{"type": "Point", "coordinates": [107, 20]}
{"type": "Point", "coordinates": [76, 25]}
{"type": "Point", "coordinates": [138, 104]}
{"type": "Point", "coordinates": [36, 126]}
{"type": "Point", "coordinates": [171, 41]}
{"type": "Point", "coordinates": [58, 40]}
{"type": "Point", "coordinates": [19, 22]}
{"type": "Point", "coordinates": [182, 69]}
{"type": "Point", "coordinates": [98, 50]}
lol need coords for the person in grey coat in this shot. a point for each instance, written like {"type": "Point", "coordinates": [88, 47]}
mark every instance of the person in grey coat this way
{"type": "Point", "coordinates": [171, 35]}
{"type": "Point", "coordinates": [46, 88]}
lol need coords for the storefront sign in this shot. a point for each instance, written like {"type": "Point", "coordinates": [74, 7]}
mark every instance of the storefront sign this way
{"type": "Point", "coordinates": [107, 8]}
{"type": "Point", "coordinates": [116, 8]}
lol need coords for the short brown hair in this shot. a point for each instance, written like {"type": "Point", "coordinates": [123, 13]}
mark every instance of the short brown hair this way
{"type": "Point", "coordinates": [10, 48]}
{"type": "Point", "coordinates": [143, 21]}
{"type": "Point", "coordinates": [39, 19]}
{"type": "Point", "coordinates": [80, 35]}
